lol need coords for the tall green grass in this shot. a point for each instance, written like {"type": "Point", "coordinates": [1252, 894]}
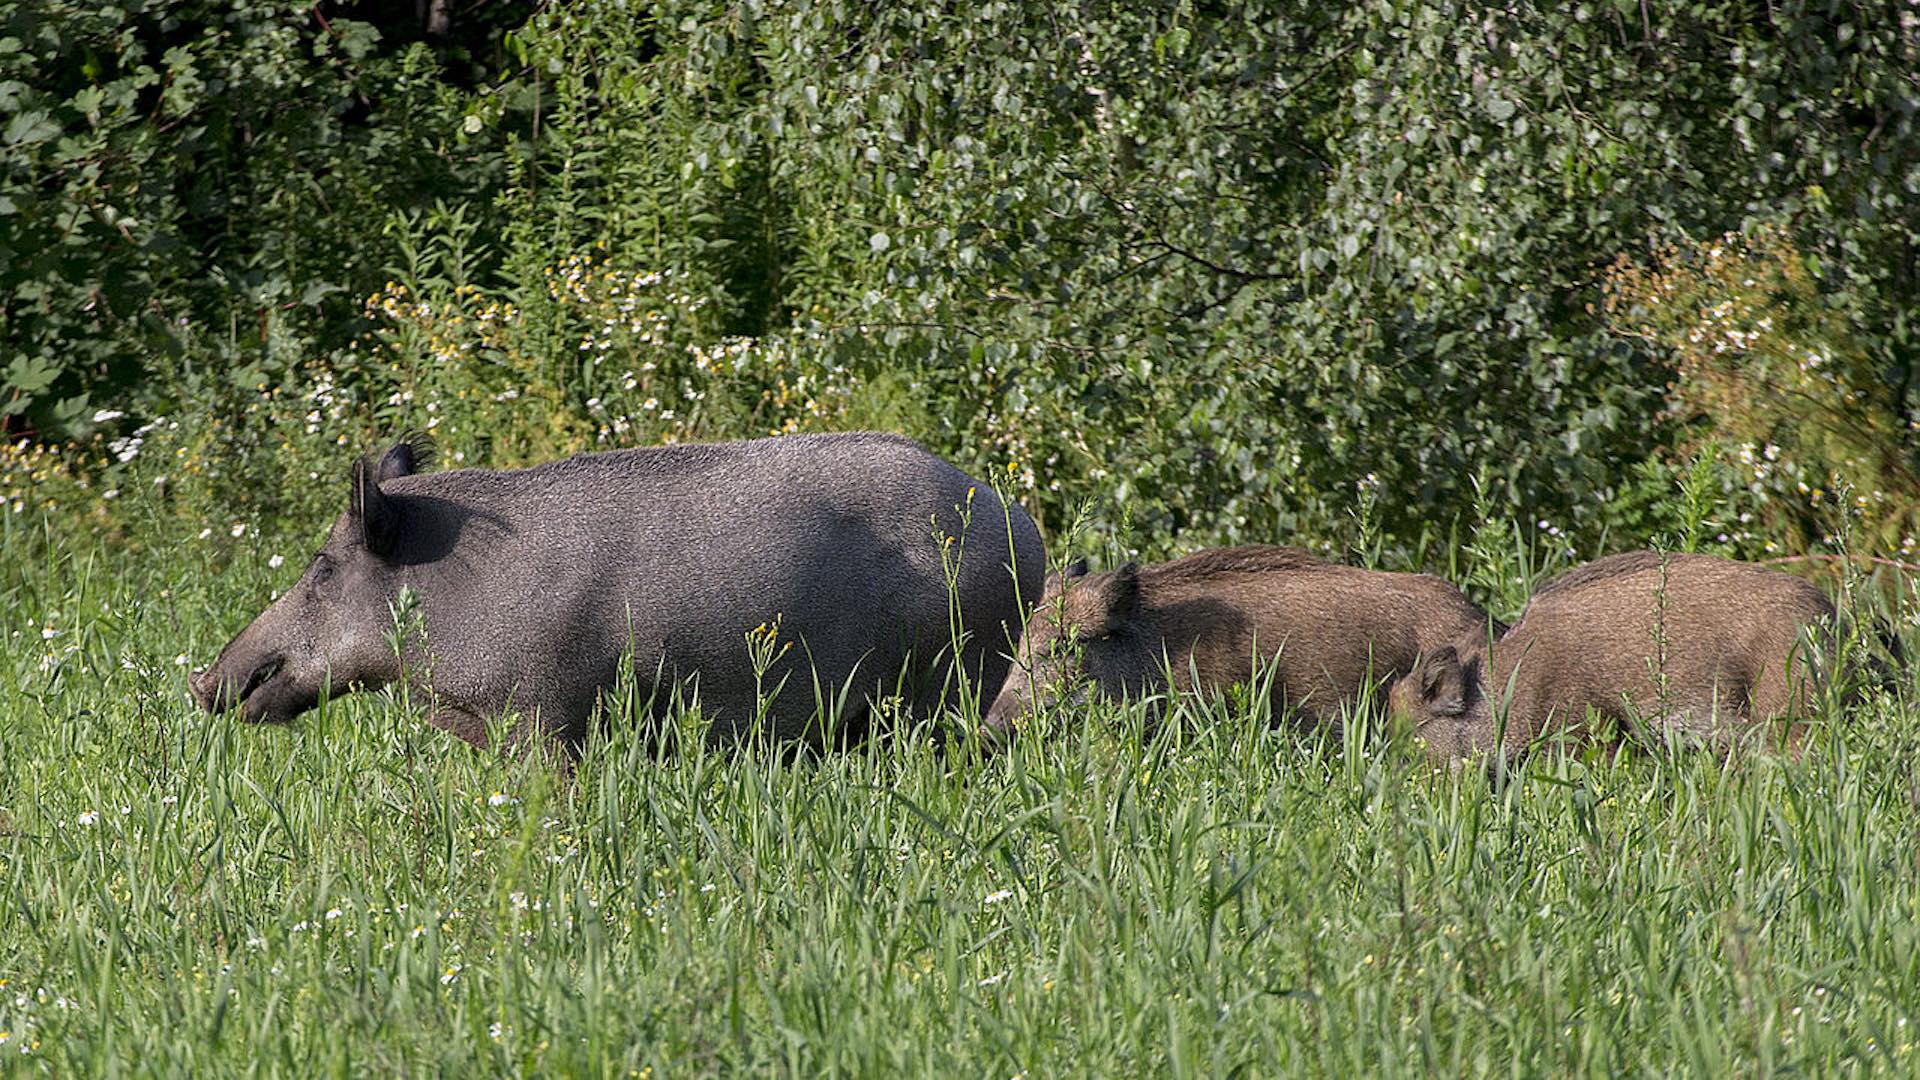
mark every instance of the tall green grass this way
{"type": "Point", "coordinates": [1111, 896]}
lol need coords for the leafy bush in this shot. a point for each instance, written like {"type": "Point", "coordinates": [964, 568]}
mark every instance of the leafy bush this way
{"type": "Point", "coordinates": [1778, 377]}
{"type": "Point", "coordinates": [1206, 271]}
{"type": "Point", "coordinates": [638, 352]}
{"type": "Point", "coordinates": [198, 178]}
{"type": "Point", "coordinates": [1211, 271]}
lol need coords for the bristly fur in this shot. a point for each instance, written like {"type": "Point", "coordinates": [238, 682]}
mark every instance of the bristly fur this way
{"type": "Point", "coordinates": [541, 585]}
{"type": "Point", "coordinates": [412, 452]}
{"type": "Point", "coordinates": [682, 459]}
{"type": "Point", "coordinates": [421, 446]}
{"type": "Point", "coordinates": [1630, 562]}
{"type": "Point", "coordinates": [1251, 559]}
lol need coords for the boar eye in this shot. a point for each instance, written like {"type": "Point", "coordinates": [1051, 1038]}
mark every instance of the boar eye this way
{"type": "Point", "coordinates": [322, 568]}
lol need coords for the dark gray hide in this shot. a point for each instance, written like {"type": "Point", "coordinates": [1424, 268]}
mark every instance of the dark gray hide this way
{"type": "Point", "coordinates": [534, 582]}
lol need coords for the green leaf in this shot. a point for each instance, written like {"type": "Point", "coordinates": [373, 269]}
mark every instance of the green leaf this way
{"type": "Point", "coordinates": [29, 128]}
{"type": "Point", "coordinates": [31, 374]}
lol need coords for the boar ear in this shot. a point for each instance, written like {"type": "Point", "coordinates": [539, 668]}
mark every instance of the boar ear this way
{"type": "Point", "coordinates": [1059, 578]}
{"type": "Point", "coordinates": [374, 517]}
{"type": "Point", "coordinates": [1119, 596]}
{"type": "Point", "coordinates": [411, 454]}
{"type": "Point", "coordinates": [1443, 682]}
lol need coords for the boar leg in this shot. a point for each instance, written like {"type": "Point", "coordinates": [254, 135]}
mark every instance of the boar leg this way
{"type": "Point", "coordinates": [468, 727]}
{"type": "Point", "coordinates": [527, 739]}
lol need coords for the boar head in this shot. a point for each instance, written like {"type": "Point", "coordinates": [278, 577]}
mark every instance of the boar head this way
{"type": "Point", "coordinates": [329, 631]}
{"type": "Point", "coordinates": [1084, 631]}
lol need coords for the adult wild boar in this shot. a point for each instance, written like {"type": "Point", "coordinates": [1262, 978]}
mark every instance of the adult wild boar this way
{"type": "Point", "coordinates": [1330, 631]}
{"type": "Point", "coordinates": [533, 583]}
{"type": "Point", "coordinates": [1689, 645]}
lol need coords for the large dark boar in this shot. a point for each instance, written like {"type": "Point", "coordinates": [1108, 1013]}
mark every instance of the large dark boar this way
{"type": "Point", "coordinates": [1329, 630]}
{"type": "Point", "coordinates": [533, 584]}
{"type": "Point", "coordinates": [1688, 645]}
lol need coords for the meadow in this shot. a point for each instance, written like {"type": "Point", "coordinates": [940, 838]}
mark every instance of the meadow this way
{"type": "Point", "coordinates": [1417, 284]}
{"type": "Point", "coordinates": [1111, 896]}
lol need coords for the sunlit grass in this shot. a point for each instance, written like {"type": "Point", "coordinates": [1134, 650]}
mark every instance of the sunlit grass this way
{"type": "Point", "coordinates": [1113, 897]}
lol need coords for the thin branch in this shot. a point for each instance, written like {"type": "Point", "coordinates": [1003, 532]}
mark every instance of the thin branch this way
{"type": "Point", "coordinates": [1158, 240]}
{"type": "Point", "coordinates": [1134, 268]}
{"type": "Point", "coordinates": [1338, 56]}
{"type": "Point", "coordinates": [1228, 271]}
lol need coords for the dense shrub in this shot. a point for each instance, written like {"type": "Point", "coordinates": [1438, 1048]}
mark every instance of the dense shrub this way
{"type": "Point", "coordinates": [201, 179]}
{"type": "Point", "coordinates": [1779, 381]}
{"type": "Point", "coordinates": [1234, 275]}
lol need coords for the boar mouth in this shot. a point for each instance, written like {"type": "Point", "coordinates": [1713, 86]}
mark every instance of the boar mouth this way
{"type": "Point", "coordinates": [258, 678]}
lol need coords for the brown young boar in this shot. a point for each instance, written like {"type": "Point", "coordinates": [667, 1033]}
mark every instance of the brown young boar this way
{"type": "Point", "coordinates": [1330, 631]}
{"type": "Point", "coordinates": [1664, 645]}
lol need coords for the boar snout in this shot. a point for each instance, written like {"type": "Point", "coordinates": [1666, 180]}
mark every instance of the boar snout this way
{"type": "Point", "coordinates": [216, 692]}
{"type": "Point", "coordinates": [1001, 717]}
{"type": "Point", "coordinates": [201, 686]}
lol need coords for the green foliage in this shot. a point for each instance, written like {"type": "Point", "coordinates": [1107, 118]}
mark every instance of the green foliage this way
{"type": "Point", "coordinates": [1203, 269]}
{"type": "Point", "coordinates": [198, 178]}
{"type": "Point", "coordinates": [1178, 274]}
{"type": "Point", "coordinates": [1772, 375]}
{"type": "Point", "coordinates": [1217, 268]}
